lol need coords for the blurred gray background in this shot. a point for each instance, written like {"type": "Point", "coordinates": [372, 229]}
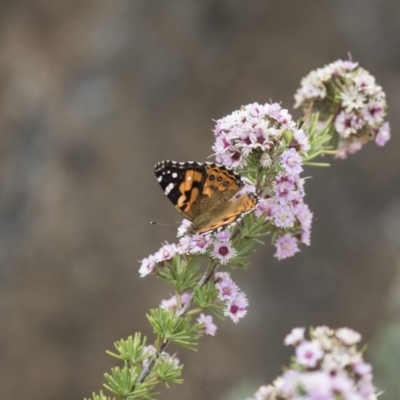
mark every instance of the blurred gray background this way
{"type": "Point", "coordinates": [93, 94]}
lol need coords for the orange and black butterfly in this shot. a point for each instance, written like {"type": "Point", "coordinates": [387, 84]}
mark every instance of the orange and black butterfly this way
{"type": "Point", "coordinates": [205, 194]}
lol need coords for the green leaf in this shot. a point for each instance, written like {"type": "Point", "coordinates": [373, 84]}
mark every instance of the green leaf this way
{"type": "Point", "coordinates": [99, 396]}
{"type": "Point", "coordinates": [182, 273]}
{"type": "Point", "coordinates": [206, 295]}
{"type": "Point", "coordinates": [168, 370]}
{"type": "Point", "coordinates": [132, 349]}
{"type": "Point", "coordinates": [173, 328]}
{"type": "Point", "coordinates": [121, 381]}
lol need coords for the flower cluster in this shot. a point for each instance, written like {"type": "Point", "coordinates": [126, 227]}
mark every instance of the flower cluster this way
{"type": "Point", "coordinates": [328, 366]}
{"type": "Point", "coordinates": [265, 136]}
{"type": "Point", "coordinates": [235, 300]}
{"type": "Point", "coordinates": [350, 94]}
{"type": "Point", "coordinates": [254, 128]}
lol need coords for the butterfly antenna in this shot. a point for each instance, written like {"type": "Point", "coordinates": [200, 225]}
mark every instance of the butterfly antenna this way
{"type": "Point", "coordinates": [161, 223]}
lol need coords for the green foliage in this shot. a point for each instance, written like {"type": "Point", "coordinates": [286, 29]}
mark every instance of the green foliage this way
{"type": "Point", "coordinates": [182, 273]}
{"type": "Point", "coordinates": [131, 350]}
{"type": "Point", "coordinates": [320, 140]}
{"type": "Point", "coordinates": [122, 382]}
{"type": "Point", "coordinates": [167, 370]}
{"type": "Point", "coordinates": [99, 396]}
{"type": "Point", "coordinates": [171, 328]}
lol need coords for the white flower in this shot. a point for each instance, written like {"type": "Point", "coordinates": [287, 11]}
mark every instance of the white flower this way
{"type": "Point", "coordinates": [348, 336]}
{"type": "Point", "coordinates": [308, 354]}
{"type": "Point", "coordinates": [294, 337]}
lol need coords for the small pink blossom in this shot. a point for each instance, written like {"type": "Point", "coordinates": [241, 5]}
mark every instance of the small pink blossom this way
{"type": "Point", "coordinates": [220, 277]}
{"type": "Point", "coordinates": [264, 393]}
{"type": "Point", "coordinates": [148, 265]}
{"type": "Point", "coordinates": [284, 188]}
{"type": "Point", "coordinates": [199, 244]}
{"type": "Point", "coordinates": [265, 207]}
{"type": "Point", "coordinates": [166, 252]}
{"type": "Point", "coordinates": [223, 252]}
{"type": "Point", "coordinates": [237, 308]}
{"type": "Point", "coordinates": [294, 337]}
{"type": "Point", "coordinates": [286, 246]}
{"type": "Point", "coordinates": [291, 161]}
{"type": "Point", "coordinates": [344, 124]}
{"type": "Point", "coordinates": [383, 134]}
{"type": "Point", "coordinates": [283, 216]}
{"type": "Point", "coordinates": [374, 113]}
{"type": "Point", "coordinates": [308, 353]}
{"type": "Point", "coordinates": [167, 304]}
{"type": "Point", "coordinates": [223, 236]}
{"type": "Point", "coordinates": [182, 230]}
{"type": "Point", "coordinates": [228, 290]}
{"type": "Point", "coordinates": [362, 368]}
{"type": "Point", "coordinates": [171, 302]}
{"type": "Point", "coordinates": [207, 321]}
{"type": "Point", "coordinates": [303, 214]}
{"type": "Point", "coordinates": [302, 140]}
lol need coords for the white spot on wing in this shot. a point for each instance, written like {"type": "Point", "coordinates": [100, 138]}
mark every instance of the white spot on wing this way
{"type": "Point", "coordinates": [189, 178]}
{"type": "Point", "coordinates": [159, 178]}
{"type": "Point", "coordinates": [174, 175]}
{"type": "Point", "coordinates": [168, 189]}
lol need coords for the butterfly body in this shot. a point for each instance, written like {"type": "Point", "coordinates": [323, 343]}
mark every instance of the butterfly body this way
{"type": "Point", "coordinates": [205, 194]}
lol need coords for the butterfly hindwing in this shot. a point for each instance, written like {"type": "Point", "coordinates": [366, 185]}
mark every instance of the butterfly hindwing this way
{"type": "Point", "coordinates": [233, 213]}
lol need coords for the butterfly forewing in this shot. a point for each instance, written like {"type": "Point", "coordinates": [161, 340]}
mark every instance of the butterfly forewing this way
{"type": "Point", "coordinates": [182, 183]}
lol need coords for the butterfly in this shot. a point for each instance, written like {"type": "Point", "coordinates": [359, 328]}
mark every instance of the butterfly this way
{"type": "Point", "coordinates": [205, 194]}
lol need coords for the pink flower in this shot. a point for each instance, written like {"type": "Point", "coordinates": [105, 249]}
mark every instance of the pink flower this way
{"type": "Point", "coordinates": [237, 308]}
{"type": "Point", "coordinates": [199, 244]}
{"type": "Point", "coordinates": [223, 236]}
{"type": "Point", "coordinates": [317, 385]}
{"type": "Point", "coordinates": [148, 266]}
{"type": "Point", "coordinates": [383, 134]}
{"type": "Point", "coordinates": [304, 215]}
{"type": "Point", "coordinates": [185, 297]}
{"type": "Point", "coordinates": [209, 327]}
{"type": "Point", "coordinates": [344, 124]}
{"type": "Point", "coordinates": [286, 246]}
{"type": "Point", "coordinates": [265, 207]}
{"type": "Point", "coordinates": [166, 304]}
{"type": "Point", "coordinates": [264, 392]}
{"type": "Point", "coordinates": [228, 290]}
{"type": "Point", "coordinates": [291, 161]}
{"type": "Point", "coordinates": [374, 113]}
{"type": "Point", "coordinates": [294, 337]}
{"type": "Point", "coordinates": [284, 188]}
{"type": "Point", "coordinates": [166, 252]}
{"type": "Point", "coordinates": [362, 368]}
{"type": "Point", "coordinates": [183, 227]}
{"type": "Point", "coordinates": [223, 252]}
{"type": "Point", "coordinates": [283, 216]}
{"type": "Point", "coordinates": [231, 159]}
{"type": "Point", "coordinates": [171, 302]}
{"type": "Point", "coordinates": [302, 140]}
{"type": "Point", "coordinates": [308, 354]}
{"type": "Point", "coordinates": [222, 277]}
